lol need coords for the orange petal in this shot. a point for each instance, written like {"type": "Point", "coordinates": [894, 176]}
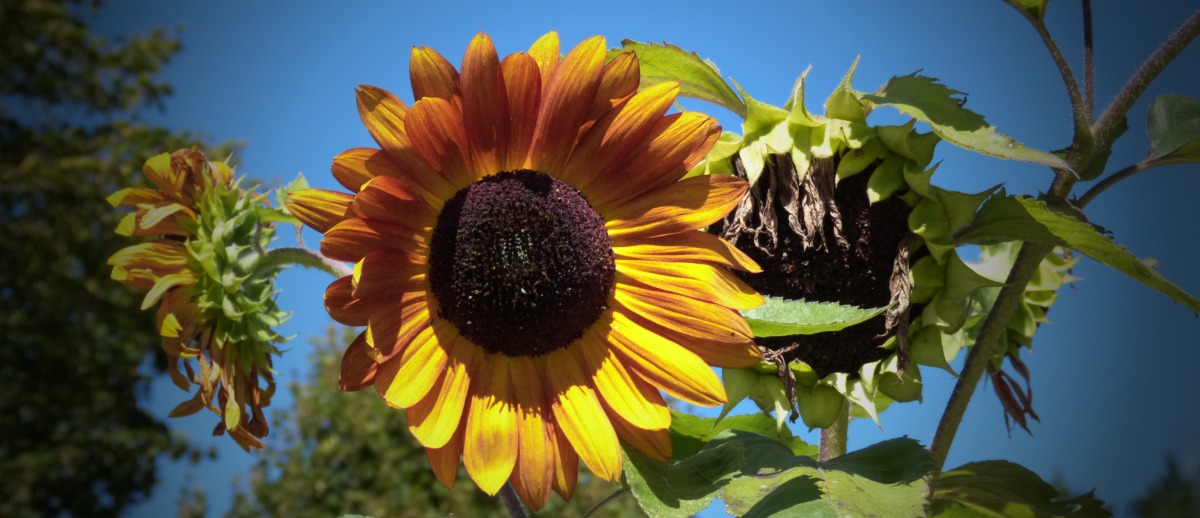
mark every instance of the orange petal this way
{"type": "Point", "coordinates": [319, 208]}
{"type": "Point", "coordinates": [606, 145]}
{"type": "Point", "coordinates": [387, 272]}
{"type": "Point", "coordinates": [638, 403]}
{"type": "Point", "coordinates": [568, 96]}
{"type": "Point", "coordinates": [392, 325]}
{"type": "Point", "coordinates": [694, 246]}
{"type": "Point", "coordinates": [618, 82]}
{"type": "Point", "coordinates": [134, 196]}
{"type": "Point", "coordinates": [523, 84]}
{"type": "Point", "coordinates": [655, 444]}
{"type": "Point", "coordinates": [578, 413]}
{"type": "Point", "coordinates": [720, 337]}
{"type": "Point", "coordinates": [485, 105]}
{"type": "Point", "coordinates": [534, 472]}
{"type": "Point", "coordinates": [358, 368]}
{"type": "Point", "coordinates": [444, 460]}
{"type": "Point", "coordinates": [696, 280]}
{"type": "Point", "coordinates": [432, 75]}
{"type": "Point", "coordinates": [435, 418]}
{"type": "Point", "coordinates": [490, 444]}
{"type": "Point", "coordinates": [383, 114]}
{"type": "Point", "coordinates": [390, 199]}
{"type": "Point", "coordinates": [354, 238]}
{"type": "Point", "coordinates": [566, 462]}
{"type": "Point", "coordinates": [687, 205]}
{"type": "Point", "coordinates": [665, 364]}
{"type": "Point", "coordinates": [546, 54]}
{"type": "Point", "coordinates": [665, 156]}
{"type": "Point", "coordinates": [342, 306]}
{"type": "Point", "coordinates": [418, 367]}
{"type": "Point", "coordinates": [439, 136]}
{"type": "Point", "coordinates": [357, 166]}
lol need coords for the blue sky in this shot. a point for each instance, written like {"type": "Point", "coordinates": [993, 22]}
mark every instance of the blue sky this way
{"type": "Point", "coordinates": [1112, 374]}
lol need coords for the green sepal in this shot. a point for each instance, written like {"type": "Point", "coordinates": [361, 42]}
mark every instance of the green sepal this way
{"type": "Point", "coordinates": [843, 103]}
{"type": "Point", "coordinates": [930, 347]}
{"type": "Point", "coordinates": [819, 405]}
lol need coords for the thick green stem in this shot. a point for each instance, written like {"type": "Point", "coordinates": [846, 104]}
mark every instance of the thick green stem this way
{"type": "Point", "coordinates": [833, 438]}
{"type": "Point", "coordinates": [1108, 126]}
{"type": "Point", "coordinates": [1026, 265]}
{"type": "Point", "coordinates": [307, 258]}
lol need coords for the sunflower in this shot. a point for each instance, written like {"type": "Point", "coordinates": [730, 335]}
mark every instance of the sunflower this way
{"type": "Point", "coordinates": [528, 264]}
{"type": "Point", "coordinates": [217, 293]}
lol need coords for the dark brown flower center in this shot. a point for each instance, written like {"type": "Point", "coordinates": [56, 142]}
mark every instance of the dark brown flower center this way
{"type": "Point", "coordinates": [520, 263]}
{"type": "Point", "coordinates": [845, 254]}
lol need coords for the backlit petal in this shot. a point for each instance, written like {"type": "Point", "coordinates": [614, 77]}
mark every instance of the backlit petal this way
{"type": "Point", "coordinates": [696, 280]}
{"type": "Point", "coordinates": [485, 105]}
{"type": "Point", "coordinates": [534, 472]}
{"type": "Point", "coordinates": [640, 404]}
{"type": "Point", "coordinates": [568, 96]}
{"type": "Point", "coordinates": [444, 460]}
{"type": "Point", "coordinates": [418, 367]}
{"type": "Point", "coordinates": [490, 444]}
{"type": "Point", "coordinates": [694, 246]}
{"type": "Point", "coordinates": [523, 83]}
{"type": "Point", "coordinates": [440, 137]}
{"type": "Point", "coordinates": [686, 205]}
{"type": "Point", "coordinates": [665, 364]}
{"type": "Point", "coordinates": [578, 413]}
{"type": "Point", "coordinates": [435, 418]}
{"type": "Point", "coordinates": [545, 53]}
{"type": "Point", "coordinates": [432, 75]}
{"type": "Point", "coordinates": [318, 208]}
{"type": "Point", "coordinates": [358, 368]}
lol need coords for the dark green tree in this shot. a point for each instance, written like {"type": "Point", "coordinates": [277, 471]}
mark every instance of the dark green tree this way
{"type": "Point", "coordinates": [336, 453]}
{"type": "Point", "coordinates": [77, 350]}
{"type": "Point", "coordinates": [1175, 494]}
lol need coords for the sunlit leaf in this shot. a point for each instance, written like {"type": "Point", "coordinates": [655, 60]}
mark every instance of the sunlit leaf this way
{"type": "Point", "coordinates": [1002, 489]}
{"type": "Point", "coordinates": [927, 100]}
{"type": "Point", "coordinates": [781, 317]}
{"type": "Point", "coordinates": [1013, 218]}
{"type": "Point", "coordinates": [698, 78]}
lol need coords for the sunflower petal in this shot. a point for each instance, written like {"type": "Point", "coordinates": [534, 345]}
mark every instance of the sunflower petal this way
{"type": "Point", "coordinates": [566, 462]}
{"type": "Point", "coordinates": [342, 306]}
{"type": "Point", "coordinates": [578, 413]}
{"type": "Point", "coordinates": [318, 208]}
{"type": "Point", "coordinates": [358, 368]}
{"type": "Point", "coordinates": [134, 196]}
{"type": "Point", "coordinates": [383, 114]}
{"type": "Point", "coordinates": [490, 444]}
{"type": "Point", "coordinates": [666, 154]}
{"type": "Point", "coordinates": [546, 54]}
{"type": "Point", "coordinates": [719, 342]}
{"type": "Point", "coordinates": [419, 367]}
{"type": "Point", "coordinates": [605, 146]}
{"type": "Point", "coordinates": [435, 418]}
{"type": "Point", "coordinates": [383, 272]}
{"type": "Point", "coordinates": [618, 82]}
{"type": "Point", "coordinates": [665, 364]}
{"type": "Point", "coordinates": [357, 166]}
{"type": "Point", "coordinates": [640, 404]}
{"type": "Point", "coordinates": [534, 472]}
{"type": "Point", "coordinates": [485, 105]}
{"type": "Point", "coordinates": [444, 460]}
{"type": "Point", "coordinates": [568, 96]}
{"type": "Point", "coordinates": [440, 137]}
{"type": "Point", "coordinates": [686, 205]}
{"type": "Point", "coordinates": [655, 444]}
{"type": "Point", "coordinates": [432, 76]}
{"type": "Point", "coordinates": [390, 199]}
{"type": "Point", "coordinates": [696, 280]}
{"type": "Point", "coordinates": [694, 246]}
{"type": "Point", "coordinates": [523, 85]}
{"type": "Point", "coordinates": [352, 239]}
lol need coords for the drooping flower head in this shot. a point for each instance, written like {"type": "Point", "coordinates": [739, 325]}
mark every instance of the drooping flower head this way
{"type": "Point", "coordinates": [217, 308]}
{"type": "Point", "coordinates": [528, 265]}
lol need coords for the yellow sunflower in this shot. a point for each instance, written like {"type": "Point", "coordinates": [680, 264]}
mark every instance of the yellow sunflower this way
{"type": "Point", "coordinates": [528, 264]}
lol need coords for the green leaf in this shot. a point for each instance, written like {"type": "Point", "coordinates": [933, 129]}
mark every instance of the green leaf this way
{"type": "Point", "coordinates": [780, 317]}
{"type": "Point", "coordinates": [1035, 9]}
{"type": "Point", "coordinates": [885, 479]}
{"type": "Point", "coordinates": [689, 433]}
{"type": "Point", "coordinates": [1082, 506]}
{"type": "Point", "coordinates": [281, 195]}
{"type": "Point", "coordinates": [1013, 218]}
{"type": "Point", "coordinates": [931, 102]}
{"type": "Point", "coordinates": [698, 78]}
{"type": "Point", "coordinates": [995, 488]}
{"type": "Point", "coordinates": [1174, 126]}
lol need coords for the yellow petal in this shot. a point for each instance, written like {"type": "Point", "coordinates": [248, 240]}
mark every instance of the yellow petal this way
{"type": "Point", "coordinates": [638, 403]}
{"type": "Point", "coordinates": [545, 53]}
{"type": "Point", "coordinates": [655, 444]}
{"type": "Point", "coordinates": [578, 413]}
{"type": "Point", "coordinates": [490, 443]}
{"type": "Point", "coordinates": [534, 473]}
{"type": "Point", "coordinates": [682, 206]}
{"type": "Point", "coordinates": [485, 105]}
{"type": "Point", "coordinates": [435, 418]}
{"type": "Point", "coordinates": [566, 462]}
{"type": "Point", "coordinates": [608, 143]}
{"type": "Point", "coordinates": [444, 460]}
{"type": "Point", "coordinates": [523, 83]}
{"type": "Point", "coordinates": [418, 367]}
{"type": "Point", "coordinates": [432, 75]}
{"type": "Point", "coordinates": [696, 280]}
{"type": "Point", "coordinates": [665, 364]}
{"type": "Point", "coordinates": [320, 209]}
{"type": "Point", "coordinates": [352, 239]}
{"type": "Point", "coordinates": [666, 155]}
{"type": "Point", "coordinates": [695, 246]}
{"type": "Point", "coordinates": [618, 82]}
{"type": "Point", "coordinates": [567, 97]}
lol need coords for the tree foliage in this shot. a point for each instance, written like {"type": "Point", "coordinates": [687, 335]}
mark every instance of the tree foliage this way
{"type": "Point", "coordinates": [335, 453]}
{"type": "Point", "coordinates": [73, 439]}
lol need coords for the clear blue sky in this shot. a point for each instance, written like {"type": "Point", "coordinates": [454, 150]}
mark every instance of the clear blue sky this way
{"type": "Point", "coordinates": [1112, 375]}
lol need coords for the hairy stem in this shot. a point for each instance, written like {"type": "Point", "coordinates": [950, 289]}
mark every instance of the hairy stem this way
{"type": "Point", "coordinates": [512, 503]}
{"type": "Point", "coordinates": [1026, 265]}
{"type": "Point", "coordinates": [1108, 125]}
{"type": "Point", "coordinates": [601, 503]}
{"type": "Point", "coordinates": [833, 439]}
{"type": "Point", "coordinates": [1089, 66]}
{"type": "Point", "coordinates": [307, 258]}
{"type": "Point", "coordinates": [1128, 171]}
{"type": "Point", "coordinates": [1064, 68]}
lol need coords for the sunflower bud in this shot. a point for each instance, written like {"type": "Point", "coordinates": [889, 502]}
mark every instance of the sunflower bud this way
{"type": "Point", "coordinates": [216, 295]}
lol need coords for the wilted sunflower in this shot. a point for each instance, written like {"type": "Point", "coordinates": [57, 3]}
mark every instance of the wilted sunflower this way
{"type": "Point", "coordinates": [528, 264]}
{"type": "Point", "coordinates": [206, 267]}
